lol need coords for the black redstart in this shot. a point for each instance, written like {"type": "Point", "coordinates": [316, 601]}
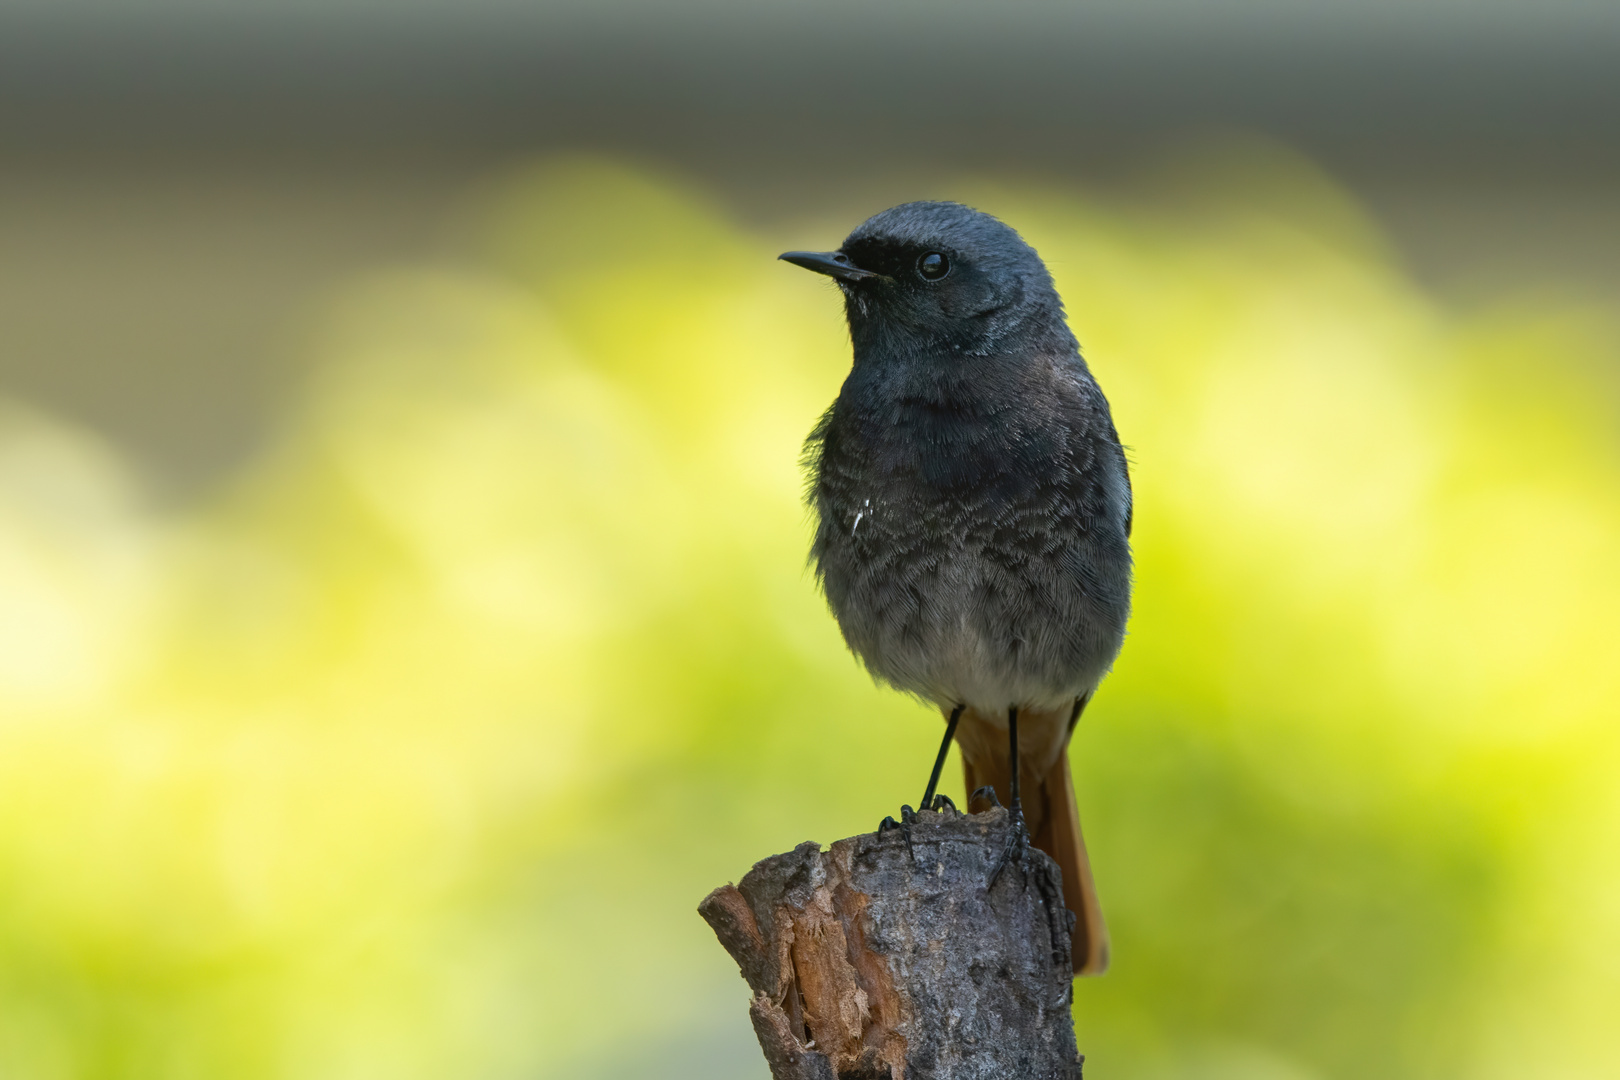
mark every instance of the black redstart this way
{"type": "Point", "coordinates": [974, 511]}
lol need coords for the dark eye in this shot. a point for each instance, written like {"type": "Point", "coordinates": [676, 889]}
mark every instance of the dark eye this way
{"type": "Point", "coordinates": [933, 266]}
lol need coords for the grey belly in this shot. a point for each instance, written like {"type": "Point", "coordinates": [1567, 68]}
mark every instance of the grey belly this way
{"type": "Point", "coordinates": [986, 631]}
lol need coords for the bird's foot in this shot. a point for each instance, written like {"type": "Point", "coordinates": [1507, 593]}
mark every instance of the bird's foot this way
{"type": "Point", "coordinates": [908, 817]}
{"type": "Point", "coordinates": [986, 794]}
{"type": "Point", "coordinates": [1016, 847]}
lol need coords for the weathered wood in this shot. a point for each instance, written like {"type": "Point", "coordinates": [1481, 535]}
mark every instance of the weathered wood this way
{"type": "Point", "coordinates": [883, 960]}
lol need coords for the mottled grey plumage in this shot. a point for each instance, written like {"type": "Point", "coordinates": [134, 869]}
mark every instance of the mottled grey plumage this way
{"type": "Point", "coordinates": [972, 497]}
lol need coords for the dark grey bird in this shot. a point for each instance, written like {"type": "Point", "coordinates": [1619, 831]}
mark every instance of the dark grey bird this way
{"type": "Point", "coordinates": [973, 510]}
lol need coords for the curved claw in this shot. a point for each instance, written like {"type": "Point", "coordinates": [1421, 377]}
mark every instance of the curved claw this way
{"type": "Point", "coordinates": [943, 803]}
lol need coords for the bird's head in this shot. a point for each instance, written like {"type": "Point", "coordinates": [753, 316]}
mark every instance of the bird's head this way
{"type": "Point", "coordinates": [939, 278]}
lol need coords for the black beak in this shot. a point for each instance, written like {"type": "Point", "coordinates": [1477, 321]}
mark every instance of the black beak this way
{"type": "Point", "coordinates": [834, 264]}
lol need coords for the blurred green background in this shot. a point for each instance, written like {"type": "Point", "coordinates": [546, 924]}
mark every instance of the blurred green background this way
{"type": "Point", "coordinates": [403, 612]}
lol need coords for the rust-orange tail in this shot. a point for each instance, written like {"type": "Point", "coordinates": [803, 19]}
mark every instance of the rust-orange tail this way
{"type": "Point", "coordinates": [1049, 809]}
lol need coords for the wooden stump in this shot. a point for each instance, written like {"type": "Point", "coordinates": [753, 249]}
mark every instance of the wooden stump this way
{"type": "Point", "coordinates": [876, 960]}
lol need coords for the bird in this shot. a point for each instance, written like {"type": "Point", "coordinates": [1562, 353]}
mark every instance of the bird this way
{"type": "Point", "coordinates": [973, 509]}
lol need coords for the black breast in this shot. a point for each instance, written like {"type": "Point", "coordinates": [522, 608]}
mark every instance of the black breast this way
{"type": "Point", "coordinates": [998, 496]}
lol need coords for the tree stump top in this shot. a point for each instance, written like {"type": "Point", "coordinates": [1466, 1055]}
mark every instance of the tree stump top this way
{"type": "Point", "coordinates": [883, 959]}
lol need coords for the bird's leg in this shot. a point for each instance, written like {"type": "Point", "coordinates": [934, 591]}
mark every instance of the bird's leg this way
{"type": "Point", "coordinates": [1017, 834]}
{"type": "Point", "coordinates": [908, 816]}
{"type": "Point", "coordinates": [1012, 752]}
{"type": "Point", "coordinates": [939, 761]}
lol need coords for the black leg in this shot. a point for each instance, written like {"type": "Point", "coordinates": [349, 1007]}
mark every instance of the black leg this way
{"type": "Point", "coordinates": [907, 814]}
{"type": "Point", "coordinates": [1017, 834]}
{"type": "Point", "coordinates": [939, 762]}
{"type": "Point", "coordinates": [1012, 749]}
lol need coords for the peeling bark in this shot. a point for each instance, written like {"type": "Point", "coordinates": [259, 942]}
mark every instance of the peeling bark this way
{"type": "Point", "coordinates": [875, 960]}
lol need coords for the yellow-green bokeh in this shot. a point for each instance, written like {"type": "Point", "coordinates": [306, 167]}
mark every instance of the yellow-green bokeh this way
{"type": "Point", "coordinates": [411, 753]}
